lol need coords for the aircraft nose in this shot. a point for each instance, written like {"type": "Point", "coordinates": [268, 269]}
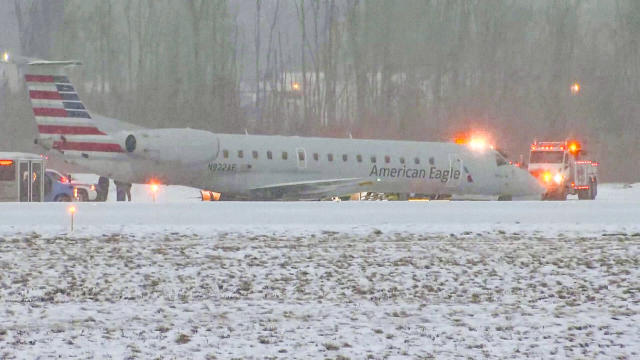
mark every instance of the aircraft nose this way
{"type": "Point", "coordinates": [528, 185]}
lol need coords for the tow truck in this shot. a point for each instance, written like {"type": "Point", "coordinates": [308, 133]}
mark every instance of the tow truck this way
{"type": "Point", "coordinates": [562, 171]}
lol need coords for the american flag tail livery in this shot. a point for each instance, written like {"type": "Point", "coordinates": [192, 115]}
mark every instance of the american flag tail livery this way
{"type": "Point", "coordinates": [64, 122]}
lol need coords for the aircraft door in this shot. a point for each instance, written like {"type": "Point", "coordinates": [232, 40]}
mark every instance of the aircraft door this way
{"type": "Point", "coordinates": [302, 158]}
{"type": "Point", "coordinates": [455, 170]}
{"type": "Point", "coordinates": [25, 181]}
{"type": "Point", "coordinates": [36, 181]}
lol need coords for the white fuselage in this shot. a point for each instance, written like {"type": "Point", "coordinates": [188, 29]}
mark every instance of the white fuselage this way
{"type": "Point", "coordinates": [240, 165]}
{"type": "Point", "coordinates": [298, 167]}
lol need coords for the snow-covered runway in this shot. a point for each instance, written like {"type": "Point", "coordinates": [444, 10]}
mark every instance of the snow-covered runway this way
{"type": "Point", "coordinates": [323, 280]}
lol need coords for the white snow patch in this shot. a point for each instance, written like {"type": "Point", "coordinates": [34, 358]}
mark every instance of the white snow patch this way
{"type": "Point", "coordinates": [322, 279]}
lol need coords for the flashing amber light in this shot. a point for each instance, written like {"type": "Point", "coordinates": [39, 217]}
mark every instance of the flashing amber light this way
{"type": "Point", "coordinates": [546, 176]}
{"type": "Point", "coordinates": [72, 209]}
{"type": "Point", "coordinates": [575, 88]}
{"type": "Point", "coordinates": [574, 147]}
{"type": "Point", "coordinates": [154, 187]}
{"type": "Point", "coordinates": [295, 86]}
{"type": "Point", "coordinates": [5, 56]}
{"type": "Point", "coordinates": [6, 162]}
{"type": "Point", "coordinates": [477, 141]}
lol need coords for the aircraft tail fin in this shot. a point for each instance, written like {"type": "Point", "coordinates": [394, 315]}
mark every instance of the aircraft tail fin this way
{"type": "Point", "coordinates": [64, 122]}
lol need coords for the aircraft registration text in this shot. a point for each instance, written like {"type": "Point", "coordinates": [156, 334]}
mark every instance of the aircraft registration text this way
{"type": "Point", "coordinates": [221, 167]}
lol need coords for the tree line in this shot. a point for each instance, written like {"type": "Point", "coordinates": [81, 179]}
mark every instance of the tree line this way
{"type": "Point", "coordinates": [412, 69]}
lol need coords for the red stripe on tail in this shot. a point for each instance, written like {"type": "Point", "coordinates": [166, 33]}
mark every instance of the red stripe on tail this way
{"type": "Point", "coordinates": [86, 146]}
{"type": "Point", "coordinates": [39, 78]}
{"type": "Point", "coordinates": [47, 95]}
{"type": "Point", "coordinates": [49, 112]}
{"type": "Point", "coordinates": [69, 130]}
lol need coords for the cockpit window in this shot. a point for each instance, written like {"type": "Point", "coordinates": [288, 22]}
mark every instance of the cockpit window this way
{"type": "Point", "coordinates": [546, 157]}
{"type": "Point", "coordinates": [500, 161]}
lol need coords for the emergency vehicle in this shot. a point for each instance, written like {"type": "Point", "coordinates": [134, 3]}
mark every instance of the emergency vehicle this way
{"type": "Point", "coordinates": [559, 167]}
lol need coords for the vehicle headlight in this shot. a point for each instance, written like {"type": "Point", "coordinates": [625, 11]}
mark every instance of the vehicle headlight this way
{"type": "Point", "coordinates": [558, 178]}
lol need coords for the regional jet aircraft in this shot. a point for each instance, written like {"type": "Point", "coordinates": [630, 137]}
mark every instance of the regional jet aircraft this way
{"type": "Point", "coordinates": [254, 166]}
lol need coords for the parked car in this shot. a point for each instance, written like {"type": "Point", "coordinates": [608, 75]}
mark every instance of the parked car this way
{"type": "Point", "coordinates": [57, 187]}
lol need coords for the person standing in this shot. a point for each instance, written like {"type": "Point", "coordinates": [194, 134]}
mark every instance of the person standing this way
{"type": "Point", "coordinates": [127, 190]}
{"type": "Point", "coordinates": [120, 190]}
{"type": "Point", "coordinates": [103, 188]}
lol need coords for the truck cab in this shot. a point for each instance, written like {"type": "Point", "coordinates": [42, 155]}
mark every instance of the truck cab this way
{"type": "Point", "coordinates": [57, 187]}
{"type": "Point", "coordinates": [559, 168]}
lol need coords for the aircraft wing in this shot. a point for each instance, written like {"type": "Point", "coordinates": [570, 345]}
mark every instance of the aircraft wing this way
{"type": "Point", "coordinates": [313, 189]}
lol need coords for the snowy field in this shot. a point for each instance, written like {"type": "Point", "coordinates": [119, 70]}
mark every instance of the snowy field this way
{"type": "Point", "coordinates": [184, 279]}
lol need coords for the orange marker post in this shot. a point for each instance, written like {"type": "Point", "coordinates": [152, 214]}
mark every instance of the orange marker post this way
{"type": "Point", "coordinates": [72, 211]}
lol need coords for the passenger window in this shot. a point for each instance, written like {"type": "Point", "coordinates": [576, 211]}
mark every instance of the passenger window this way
{"type": "Point", "coordinates": [240, 154]}
{"type": "Point", "coordinates": [225, 154]}
{"type": "Point", "coordinates": [359, 158]}
{"type": "Point", "coordinates": [255, 154]}
{"type": "Point", "coordinates": [416, 161]}
{"type": "Point", "coordinates": [387, 159]}
{"type": "Point", "coordinates": [401, 160]}
{"type": "Point", "coordinates": [344, 157]}
{"type": "Point", "coordinates": [373, 159]}
{"type": "Point", "coordinates": [330, 157]}
{"type": "Point", "coordinates": [315, 156]}
{"type": "Point", "coordinates": [432, 161]}
{"type": "Point", "coordinates": [285, 156]}
{"type": "Point", "coordinates": [269, 155]}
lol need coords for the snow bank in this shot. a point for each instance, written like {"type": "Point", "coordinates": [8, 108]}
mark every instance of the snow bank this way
{"type": "Point", "coordinates": [616, 210]}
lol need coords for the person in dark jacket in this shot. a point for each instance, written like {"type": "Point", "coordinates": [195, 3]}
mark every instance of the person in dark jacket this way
{"type": "Point", "coordinates": [120, 190]}
{"type": "Point", "coordinates": [103, 189]}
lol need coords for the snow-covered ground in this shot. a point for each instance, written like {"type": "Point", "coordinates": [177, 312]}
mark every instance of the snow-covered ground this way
{"type": "Point", "coordinates": [184, 279]}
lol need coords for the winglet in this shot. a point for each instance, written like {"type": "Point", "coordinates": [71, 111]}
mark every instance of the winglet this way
{"type": "Point", "coordinates": [7, 58]}
{"type": "Point", "coordinates": [59, 62]}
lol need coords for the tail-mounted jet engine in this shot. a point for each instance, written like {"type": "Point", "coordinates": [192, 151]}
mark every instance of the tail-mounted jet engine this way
{"type": "Point", "coordinates": [180, 145]}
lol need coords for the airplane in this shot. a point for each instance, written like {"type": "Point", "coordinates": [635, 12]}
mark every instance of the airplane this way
{"type": "Point", "coordinates": [258, 167]}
